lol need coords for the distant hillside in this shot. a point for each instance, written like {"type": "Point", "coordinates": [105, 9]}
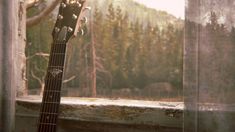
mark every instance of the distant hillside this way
{"type": "Point", "coordinates": [139, 11]}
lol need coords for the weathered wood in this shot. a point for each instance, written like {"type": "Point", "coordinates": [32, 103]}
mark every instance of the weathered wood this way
{"type": "Point", "coordinates": [20, 50]}
{"type": "Point", "coordinates": [8, 55]}
{"type": "Point", "coordinates": [128, 112]}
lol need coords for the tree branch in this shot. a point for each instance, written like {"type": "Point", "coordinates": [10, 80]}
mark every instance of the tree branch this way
{"type": "Point", "coordinates": [31, 3]}
{"type": "Point", "coordinates": [40, 70]}
{"type": "Point", "coordinates": [38, 18]}
{"type": "Point", "coordinates": [69, 79]}
{"type": "Point", "coordinates": [37, 78]}
{"type": "Point", "coordinates": [44, 55]}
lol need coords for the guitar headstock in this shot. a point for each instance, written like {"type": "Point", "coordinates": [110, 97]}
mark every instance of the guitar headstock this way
{"type": "Point", "coordinates": [68, 19]}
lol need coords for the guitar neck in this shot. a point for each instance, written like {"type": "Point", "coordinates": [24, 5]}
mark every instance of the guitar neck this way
{"type": "Point", "coordinates": [66, 26]}
{"type": "Point", "coordinates": [52, 91]}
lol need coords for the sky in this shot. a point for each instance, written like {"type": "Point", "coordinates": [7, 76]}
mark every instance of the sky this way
{"type": "Point", "coordinates": [174, 7]}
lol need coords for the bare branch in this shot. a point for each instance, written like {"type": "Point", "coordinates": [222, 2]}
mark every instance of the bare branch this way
{"type": "Point", "coordinates": [99, 65]}
{"type": "Point", "coordinates": [31, 3]}
{"type": "Point", "coordinates": [40, 70]}
{"type": "Point", "coordinates": [38, 18]}
{"type": "Point", "coordinates": [37, 78]}
{"type": "Point", "coordinates": [44, 55]}
{"type": "Point", "coordinates": [69, 79]}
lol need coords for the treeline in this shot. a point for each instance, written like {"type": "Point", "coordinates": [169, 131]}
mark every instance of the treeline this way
{"type": "Point", "coordinates": [216, 45]}
{"type": "Point", "coordinates": [129, 54]}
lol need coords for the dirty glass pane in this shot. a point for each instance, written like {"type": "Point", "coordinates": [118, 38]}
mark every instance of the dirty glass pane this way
{"type": "Point", "coordinates": [209, 66]}
{"type": "Point", "coordinates": [130, 49]}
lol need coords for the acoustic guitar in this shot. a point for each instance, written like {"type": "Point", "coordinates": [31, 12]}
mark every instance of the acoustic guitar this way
{"type": "Point", "coordinates": [66, 26]}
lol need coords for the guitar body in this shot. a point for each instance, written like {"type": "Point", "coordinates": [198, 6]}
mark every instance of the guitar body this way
{"type": "Point", "coordinates": [66, 26]}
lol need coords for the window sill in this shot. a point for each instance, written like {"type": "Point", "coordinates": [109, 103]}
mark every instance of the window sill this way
{"type": "Point", "coordinates": [120, 111]}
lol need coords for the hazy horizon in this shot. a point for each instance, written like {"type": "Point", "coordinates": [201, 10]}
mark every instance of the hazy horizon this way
{"type": "Point", "coordinates": [174, 7]}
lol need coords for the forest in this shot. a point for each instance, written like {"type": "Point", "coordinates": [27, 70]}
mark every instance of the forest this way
{"type": "Point", "coordinates": [133, 58]}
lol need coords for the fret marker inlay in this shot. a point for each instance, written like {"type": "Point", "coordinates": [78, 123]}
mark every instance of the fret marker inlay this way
{"type": "Point", "coordinates": [55, 72]}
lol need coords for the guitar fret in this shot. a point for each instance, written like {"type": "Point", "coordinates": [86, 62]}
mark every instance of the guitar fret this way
{"type": "Point", "coordinates": [48, 118]}
{"type": "Point", "coordinates": [59, 43]}
{"type": "Point", "coordinates": [47, 113]}
{"type": "Point", "coordinates": [57, 59]}
{"type": "Point", "coordinates": [58, 47]}
{"type": "Point", "coordinates": [52, 102]}
{"type": "Point", "coordinates": [51, 96]}
{"type": "Point", "coordinates": [55, 66]}
{"type": "Point", "coordinates": [61, 67]}
{"type": "Point", "coordinates": [56, 91]}
{"type": "Point", "coordinates": [57, 53]}
{"type": "Point", "coordinates": [50, 107]}
{"type": "Point", "coordinates": [53, 79]}
{"type": "Point", "coordinates": [47, 124]}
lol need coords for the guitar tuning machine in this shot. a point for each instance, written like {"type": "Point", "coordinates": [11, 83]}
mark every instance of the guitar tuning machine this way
{"type": "Point", "coordinates": [74, 16]}
{"type": "Point", "coordinates": [57, 29]}
{"type": "Point", "coordinates": [63, 5]}
{"type": "Point", "coordinates": [60, 17]}
{"type": "Point", "coordinates": [87, 8]}
{"type": "Point", "coordinates": [70, 29]}
{"type": "Point", "coordinates": [79, 4]}
{"type": "Point", "coordinates": [84, 20]}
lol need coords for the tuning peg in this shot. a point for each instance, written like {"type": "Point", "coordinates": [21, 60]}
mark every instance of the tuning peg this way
{"type": "Point", "coordinates": [57, 29]}
{"type": "Point", "coordinates": [60, 17]}
{"type": "Point", "coordinates": [84, 20]}
{"type": "Point", "coordinates": [87, 8]}
{"type": "Point", "coordinates": [79, 4]}
{"type": "Point", "coordinates": [63, 5]}
{"type": "Point", "coordinates": [74, 16]}
{"type": "Point", "coordinates": [70, 29]}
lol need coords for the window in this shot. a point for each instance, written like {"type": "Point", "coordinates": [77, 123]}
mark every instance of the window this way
{"type": "Point", "coordinates": [129, 54]}
{"type": "Point", "coordinates": [137, 54]}
{"type": "Point", "coordinates": [131, 51]}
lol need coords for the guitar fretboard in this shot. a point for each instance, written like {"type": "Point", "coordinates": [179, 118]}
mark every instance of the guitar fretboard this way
{"type": "Point", "coordinates": [52, 91]}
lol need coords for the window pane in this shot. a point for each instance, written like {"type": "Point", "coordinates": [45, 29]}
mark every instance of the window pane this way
{"type": "Point", "coordinates": [209, 66]}
{"type": "Point", "coordinates": [131, 49]}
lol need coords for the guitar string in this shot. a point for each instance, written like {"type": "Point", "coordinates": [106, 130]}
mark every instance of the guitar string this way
{"type": "Point", "coordinates": [57, 84]}
{"type": "Point", "coordinates": [47, 86]}
{"type": "Point", "coordinates": [46, 107]}
{"type": "Point", "coordinates": [53, 87]}
{"type": "Point", "coordinates": [56, 92]}
{"type": "Point", "coordinates": [56, 89]}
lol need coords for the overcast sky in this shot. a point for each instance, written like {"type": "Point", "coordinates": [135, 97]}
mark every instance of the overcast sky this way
{"type": "Point", "coordinates": [174, 7]}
